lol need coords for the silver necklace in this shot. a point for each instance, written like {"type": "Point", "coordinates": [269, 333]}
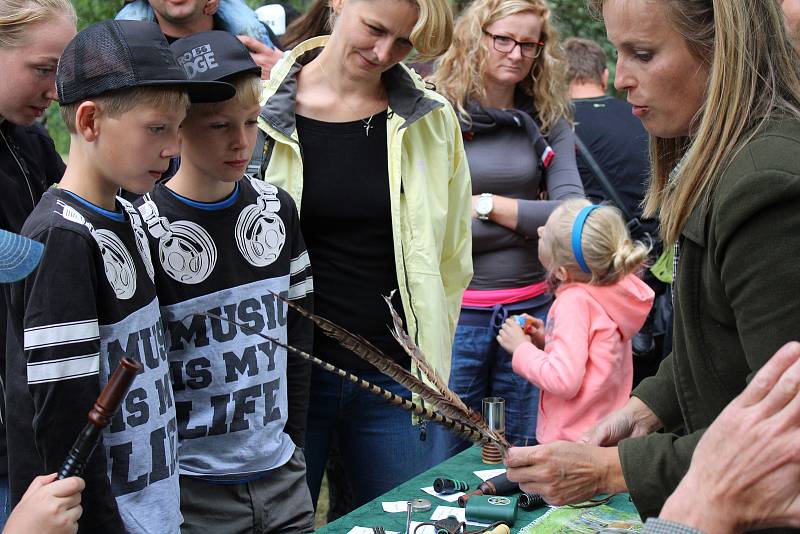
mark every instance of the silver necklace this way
{"type": "Point", "coordinates": [367, 123]}
{"type": "Point", "coordinates": [21, 168]}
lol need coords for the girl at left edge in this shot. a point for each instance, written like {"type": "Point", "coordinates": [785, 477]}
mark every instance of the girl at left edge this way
{"type": "Point", "coordinates": [33, 34]}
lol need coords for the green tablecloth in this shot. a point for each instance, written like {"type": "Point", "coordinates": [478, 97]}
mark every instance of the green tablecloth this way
{"type": "Point", "coordinates": [459, 467]}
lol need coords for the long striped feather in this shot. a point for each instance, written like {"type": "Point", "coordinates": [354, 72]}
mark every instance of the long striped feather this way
{"type": "Point", "coordinates": [371, 354]}
{"type": "Point", "coordinates": [467, 431]}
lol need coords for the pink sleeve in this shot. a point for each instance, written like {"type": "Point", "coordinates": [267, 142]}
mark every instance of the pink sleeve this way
{"type": "Point", "coordinates": [560, 367]}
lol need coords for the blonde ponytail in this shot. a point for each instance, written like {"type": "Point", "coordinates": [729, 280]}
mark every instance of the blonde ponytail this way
{"type": "Point", "coordinates": [629, 257]}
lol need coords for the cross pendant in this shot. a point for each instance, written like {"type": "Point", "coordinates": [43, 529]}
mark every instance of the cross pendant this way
{"type": "Point", "coordinates": [367, 127]}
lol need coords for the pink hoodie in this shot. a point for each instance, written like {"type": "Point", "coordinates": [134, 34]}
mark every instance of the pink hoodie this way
{"type": "Point", "coordinates": [586, 368]}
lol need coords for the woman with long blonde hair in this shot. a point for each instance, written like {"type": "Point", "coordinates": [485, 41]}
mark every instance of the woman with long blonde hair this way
{"type": "Point", "coordinates": [717, 85]}
{"type": "Point", "coordinates": [375, 162]}
{"type": "Point", "coordinates": [33, 34]}
{"type": "Point", "coordinates": [505, 76]}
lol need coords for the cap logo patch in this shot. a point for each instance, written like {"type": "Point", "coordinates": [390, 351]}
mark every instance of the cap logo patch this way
{"type": "Point", "coordinates": [198, 59]}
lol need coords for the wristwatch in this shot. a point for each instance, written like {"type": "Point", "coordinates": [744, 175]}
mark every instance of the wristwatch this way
{"type": "Point", "coordinates": [484, 206]}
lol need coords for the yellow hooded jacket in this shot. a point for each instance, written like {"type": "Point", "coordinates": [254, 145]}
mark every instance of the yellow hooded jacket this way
{"type": "Point", "coordinates": [429, 188]}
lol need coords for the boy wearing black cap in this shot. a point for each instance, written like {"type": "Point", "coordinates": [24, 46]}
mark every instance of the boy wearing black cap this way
{"type": "Point", "coordinates": [92, 299]}
{"type": "Point", "coordinates": [227, 244]}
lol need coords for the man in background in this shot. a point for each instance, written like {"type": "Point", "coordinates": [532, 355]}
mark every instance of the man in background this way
{"type": "Point", "coordinates": [180, 18]}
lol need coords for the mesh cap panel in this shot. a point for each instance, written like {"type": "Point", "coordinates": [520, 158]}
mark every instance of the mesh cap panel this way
{"type": "Point", "coordinates": [95, 62]}
{"type": "Point", "coordinates": [120, 54]}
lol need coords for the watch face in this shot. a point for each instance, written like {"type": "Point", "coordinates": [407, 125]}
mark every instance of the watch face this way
{"type": "Point", "coordinates": [484, 205]}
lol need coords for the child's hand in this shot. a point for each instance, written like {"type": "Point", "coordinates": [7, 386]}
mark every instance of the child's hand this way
{"type": "Point", "coordinates": [535, 330]}
{"type": "Point", "coordinates": [511, 336]}
{"type": "Point", "coordinates": [49, 506]}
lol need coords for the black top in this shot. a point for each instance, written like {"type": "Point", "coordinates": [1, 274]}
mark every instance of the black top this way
{"type": "Point", "coordinates": [231, 258]}
{"type": "Point", "coordinates": [618, 142]}
{"type": "Point", "coordinates": [347, 224]}
{"type": "Point", "coordinates": [90, 302]}
{"type": "Point", "coordinates": [504, 162]}
{"type": "Point", "coordinates": [29, 164]}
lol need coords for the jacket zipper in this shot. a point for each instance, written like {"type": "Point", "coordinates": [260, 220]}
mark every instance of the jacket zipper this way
{"type": "Point", "coordinates": [21, 168]}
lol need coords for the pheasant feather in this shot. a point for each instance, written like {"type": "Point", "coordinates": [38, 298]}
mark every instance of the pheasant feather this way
{"type": "Point", "coordinates": [417, 355]}
{"type": "Point", "coordinates": [443, 401]}
{"type": "Point", "coordinates": [411, 348]}
{"type": "Point", "coordinates": [467, 431]}
{"type": "Point", "coordinates": [371, 354]}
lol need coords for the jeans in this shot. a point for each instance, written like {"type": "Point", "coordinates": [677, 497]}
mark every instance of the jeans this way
{"type": "Point", "coordinates": [4, 501]}
{"type": "Point", "coordinates": [481, 368]}
{"type": "Point", "coordinates": [379, 446]}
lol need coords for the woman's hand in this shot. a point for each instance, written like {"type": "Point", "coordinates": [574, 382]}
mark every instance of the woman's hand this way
{"type": "Point", "coordinates": [511, 336]}
{"type": "Point", "coordinates": [49, 506]}
{"type": "Point", "coordinates": [745, 471]}
{"type": "Point", "coordinates": [564, 472]}
{"type": "Point", "coordinates": [633, 420]}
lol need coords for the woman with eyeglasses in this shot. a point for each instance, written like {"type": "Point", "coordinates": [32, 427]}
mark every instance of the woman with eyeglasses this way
{"type": "Point", "coordinates": [506, 78]}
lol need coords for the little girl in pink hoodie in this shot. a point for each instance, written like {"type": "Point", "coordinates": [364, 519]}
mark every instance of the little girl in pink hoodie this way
{"type": "Point", "coordinates": [582, 360]}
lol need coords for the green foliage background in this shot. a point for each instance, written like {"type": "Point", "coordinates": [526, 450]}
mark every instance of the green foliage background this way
{"type": "Point", "coordinates": [571, 16]}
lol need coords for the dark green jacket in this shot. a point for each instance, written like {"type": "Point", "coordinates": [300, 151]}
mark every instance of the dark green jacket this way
{"type": "Point", "coordinates": [737, 300]}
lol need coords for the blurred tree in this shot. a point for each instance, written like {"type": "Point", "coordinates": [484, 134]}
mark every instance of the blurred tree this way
{"type": "Point", "coordinates": [91, 11]}
{"type": "Point", "coordinates": [573, 19]}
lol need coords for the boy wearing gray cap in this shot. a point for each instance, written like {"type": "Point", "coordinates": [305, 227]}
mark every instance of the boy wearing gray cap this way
{"type": "Point", "coordinates": [226, 243]}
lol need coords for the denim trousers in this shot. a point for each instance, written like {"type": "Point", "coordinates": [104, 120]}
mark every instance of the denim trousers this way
{"type": "Point", "coordinates": [4, 501]}
{"type": "Point", "coordinates": [481, 368]}
{"type": "Point", "coordinates": [379, 446]}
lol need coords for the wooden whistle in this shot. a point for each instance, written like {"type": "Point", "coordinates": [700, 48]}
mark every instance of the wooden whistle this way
{"type": "Point", "coordinates": [499, 485]}
{"type": "Point", "coordinates": [99, 417]}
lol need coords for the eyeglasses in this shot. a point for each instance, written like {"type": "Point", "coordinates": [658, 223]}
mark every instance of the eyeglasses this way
{"type": "Point", "coordinates": [505, 44]}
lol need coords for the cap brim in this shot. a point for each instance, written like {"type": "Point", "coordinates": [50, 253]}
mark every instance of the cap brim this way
{"type": "Point", "coordinates": [200, 92]}
{"type": "Point", "coordinates": [18, 256]}
{"type": "Point", "coordinates": [252, 70]}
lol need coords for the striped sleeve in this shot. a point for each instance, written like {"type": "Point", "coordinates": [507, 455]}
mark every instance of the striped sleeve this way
{"type": "Point", "coordinates": [61, 335]}
{"type": "Point", "coordinates": [62, 339]}
{"type": "Point", "coordinates": [60, 351]}
{"type": "Point", "coordinates": [661, 526]}
{"type": "Point", "coordinates": [300, 330]}
{"type": "Point", "coordinates": [301, 283]}
{"type": "Point", "coordinates": [61, 342]}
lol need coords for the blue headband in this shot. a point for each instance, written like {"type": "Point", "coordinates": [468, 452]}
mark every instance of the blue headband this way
{"type": "Point", "coordinates": [577, 231]}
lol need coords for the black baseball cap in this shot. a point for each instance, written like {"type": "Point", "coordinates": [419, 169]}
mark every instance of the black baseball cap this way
{"type": "Point", "coordinates": [213, 55]}
{"type": "Point", "coordinates": [122, 54]}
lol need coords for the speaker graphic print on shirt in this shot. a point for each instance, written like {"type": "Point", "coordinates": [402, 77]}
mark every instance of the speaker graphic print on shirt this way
{"type": "Point", "coordinates": [117, 261]}
{"type": "Point", "coordinates": [185, 249]}
{"type": "Point", "coordinates": [260, 233]}
{"type": "Point", "coordinates": [141, 237]}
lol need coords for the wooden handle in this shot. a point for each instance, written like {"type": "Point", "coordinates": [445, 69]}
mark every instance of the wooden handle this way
{"type": "Point", "coordinates": [111, 396]}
